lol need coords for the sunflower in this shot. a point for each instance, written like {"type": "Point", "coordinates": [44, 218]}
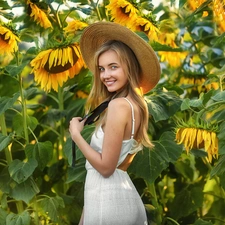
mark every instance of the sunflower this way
{"type": "Point", "coordinates": [8, 41]}
{"type": "Point", "coordinates": [194, 4]}
{"type": "Point", "coordinates": [73, 26]}
{"type": "Point", "coordinates": [195, 138]}
{"type": "Point", "coordinates": [174, 59]}
{"type": "Point", "coordinates": [219, 14]}
{"type": "Point", "coordinates": [122, 12]}
{"type": "Point", "coordinates": [145, 25]}
{"type": "Point", "coordinates": [167, 36]}
{"type": "Point", "coordinates": [218, 11]}
{"type": "Point", "coordinates": [198, 84]}
{"type": "Point", "coordinates": [53, 67]}
{"type": "Point", "coordinates": [39, 15]}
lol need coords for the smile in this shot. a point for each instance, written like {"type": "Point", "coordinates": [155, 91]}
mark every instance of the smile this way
{"type": "Point", "coordinates": [109, 83]}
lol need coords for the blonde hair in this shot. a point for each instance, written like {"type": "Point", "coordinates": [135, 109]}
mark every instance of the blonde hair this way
{"type": "Point", "coordinates": [99, 92]}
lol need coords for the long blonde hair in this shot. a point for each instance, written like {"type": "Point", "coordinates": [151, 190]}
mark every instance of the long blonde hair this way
{"type": "Point", "coordinates": [99, 92]}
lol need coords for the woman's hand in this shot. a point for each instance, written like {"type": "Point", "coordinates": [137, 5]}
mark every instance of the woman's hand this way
{"type": "Point", "coordinates": [76, 126]}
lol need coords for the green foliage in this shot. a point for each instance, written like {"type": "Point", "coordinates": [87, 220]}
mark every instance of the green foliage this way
{"type": "Point", "coordinates": [38, 184]}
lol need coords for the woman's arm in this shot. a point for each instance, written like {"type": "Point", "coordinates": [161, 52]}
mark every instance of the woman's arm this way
{"type": "Point", "coordinates": [118, 115]}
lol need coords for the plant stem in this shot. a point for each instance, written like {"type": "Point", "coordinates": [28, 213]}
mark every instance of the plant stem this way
{"type": "Point", "coordinates": [95, 6]}
{"type": "Point", "coordinates": [36, 218]}
{"type": "Point", "coordinates": [24, 110]}
{"type": "Point", "coordinates": [175, 222]}
{"type": "Point", "coordinates": [155, 203]}
{"type": "Point", "coordinates": [8, 153]}
{"type": "Point", "coordinates": [61, 108]}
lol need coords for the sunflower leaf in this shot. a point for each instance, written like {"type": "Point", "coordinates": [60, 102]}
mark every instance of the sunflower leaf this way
{"type": "Point", "coordinates": [42, 152]}
{"type": "Point", "coordinates": [51, 205]}
{"type": "Point", "coordinates": [148, 164]}
{"type": "Point", "coordinates": [163, 105]}
{"type": "Point", "coordinates": [186, 201]}
{"type": "Point", "coordinates": [219, 168]}
{"type": "Point", "coordinates": [7, 103]}
{"type": "Point", "coordinates": [24, 191]}
{"type": "Point", "coordinates": [5, 141]}
{"type": "Point", "coordinates": [18, 219]}
{"type": "Point", "coordinates": [20, 171]}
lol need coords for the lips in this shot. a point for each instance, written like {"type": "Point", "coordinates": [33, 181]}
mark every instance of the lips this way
{"type": "Point", "coordinates": [109, 83]}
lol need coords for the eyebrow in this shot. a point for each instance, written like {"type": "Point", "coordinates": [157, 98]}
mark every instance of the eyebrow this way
{"type": "Point", "coordinates": [110, 64]}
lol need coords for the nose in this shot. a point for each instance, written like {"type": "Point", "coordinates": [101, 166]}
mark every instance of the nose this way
{"type": "Point", "coordinates": [106, 74]}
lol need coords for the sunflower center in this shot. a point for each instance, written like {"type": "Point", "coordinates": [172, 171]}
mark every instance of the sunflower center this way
{"type": "Point", "coordinates": [60, 68]}
{"type": "Point", "coordinates": [2, 36]}
{"type": "Point", "coordinates": [142, 28]}
{"type": "Point", "coordinates": [123, 10]}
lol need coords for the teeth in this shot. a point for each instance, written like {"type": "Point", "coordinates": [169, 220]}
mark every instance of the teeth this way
{"type": "Point", "coordinates": [109, 82]}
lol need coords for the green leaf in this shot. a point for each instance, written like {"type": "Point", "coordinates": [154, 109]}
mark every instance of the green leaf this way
{"type": "Point", "coordinates": [7, 103]}
{"type": "Point", "coordinates": [5, 181]}
{"type": "Point", "coordinates": [77, 173]}
{"type": "Point", "coordinates": [219, 115]}
{"type": "Point", "coordinates": [220, 96]}
{"type": "Point", "coordinates": [8, 81]}
{"type": "Point", "coordinates": [32, 123]}
{"type": "Point", "coordinates": [20, 171]}
{"type": "Point", "coordinates": [18, 219]}
{"type": "Point", "coordinates": [5, 141]}
{"type": "Point", "coordinates": [185, 104]}
{"type": "Point", "coordinates": [196, 103]}
{"type": "Point", "coordinates": [3, 215]}
{"type": "Point", "coordinates": [86, 133]}
{"type": "Point", "coordinates": [186, 202]}
{"type": "Point", "coordinates": [4, 5]}
{"type": "Point", "coordinates": [14, 70]}
{"type": "Point", "coordinates": [219, 168]}
{"type": "Point", "coordinates": [41, 151]}
{"type": "Point", "coordinates": [51, 206]}
{"type": "Point", "coordinates": [24, 191]}
{"type": "Point", "coordinates": [163, 105]}
{"type": "Point", "coordinates": [183, 167]}
{"type": "Point", "coordinates": [160, 47]}
{"type": "Point", "coordinates": [149, 164]}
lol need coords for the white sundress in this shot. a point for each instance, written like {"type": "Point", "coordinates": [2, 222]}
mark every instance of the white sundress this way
{"type": "Point", "coordinates": [113, 200]}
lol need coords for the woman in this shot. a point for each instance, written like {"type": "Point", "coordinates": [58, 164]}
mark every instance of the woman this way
{"type": "Point", "coordinates": [122, 75]}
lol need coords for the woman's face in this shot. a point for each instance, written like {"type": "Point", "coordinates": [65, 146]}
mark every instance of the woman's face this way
{"type": "Point", "coordinates": [112, 71]}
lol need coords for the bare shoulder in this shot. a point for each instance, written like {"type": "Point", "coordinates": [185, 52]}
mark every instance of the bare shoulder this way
{"type": "Point", "coordinates": [118, 105]}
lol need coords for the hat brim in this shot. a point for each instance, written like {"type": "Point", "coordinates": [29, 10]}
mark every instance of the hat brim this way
{"type": "Point", "coordinates": [98, 33]}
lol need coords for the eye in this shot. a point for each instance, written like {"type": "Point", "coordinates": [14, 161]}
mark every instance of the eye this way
{"type": "Point", "coordinates": [113, 67]}
{"type": "Point", "coordinates": [101, 69]}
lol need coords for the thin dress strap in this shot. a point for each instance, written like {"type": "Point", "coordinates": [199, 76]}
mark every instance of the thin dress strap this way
{"type": "Point", "coordinates": [133, 120]}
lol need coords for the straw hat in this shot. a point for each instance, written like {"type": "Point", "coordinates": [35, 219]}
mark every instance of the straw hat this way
{"type": "Point", "coordinates": [98, 33]}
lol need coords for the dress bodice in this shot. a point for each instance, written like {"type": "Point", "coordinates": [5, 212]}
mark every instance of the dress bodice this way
{"type": "Point", "coordinates": [129, 146]}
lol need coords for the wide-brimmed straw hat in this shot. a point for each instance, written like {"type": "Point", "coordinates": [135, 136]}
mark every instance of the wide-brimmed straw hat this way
{"type": "Point", "coordinates": [98, 33]}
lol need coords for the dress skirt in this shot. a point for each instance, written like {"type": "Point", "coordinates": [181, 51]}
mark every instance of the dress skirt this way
{"type": "Point", "coordinates": [112, 201]}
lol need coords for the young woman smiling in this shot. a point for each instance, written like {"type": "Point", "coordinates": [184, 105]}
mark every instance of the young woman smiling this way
{"type": "Point", "coordinates": [122, 75]}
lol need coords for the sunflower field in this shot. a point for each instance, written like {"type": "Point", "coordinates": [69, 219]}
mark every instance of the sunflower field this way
{"type": "Point", "coordinates": [44, 83]}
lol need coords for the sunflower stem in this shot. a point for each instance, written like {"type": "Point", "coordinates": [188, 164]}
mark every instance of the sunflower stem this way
{"type": "Point", "coordinates": [95, 5]}
{"type": "Point", "coordinates": [56, 16]}
{"type": "Point", "coordinates": [8, 153]}
{"type": "Point", "coordinates": [151, 188]}
{"type": "Point", "coordinates": [24, 109]}
{"type": "Point", "coordinates": [61, 108]}
{"type": "Point", "coordinates": [36, 218]}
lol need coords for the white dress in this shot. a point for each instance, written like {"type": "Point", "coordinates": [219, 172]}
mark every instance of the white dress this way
{"type": "Point", "coordinates": [113, 200]}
